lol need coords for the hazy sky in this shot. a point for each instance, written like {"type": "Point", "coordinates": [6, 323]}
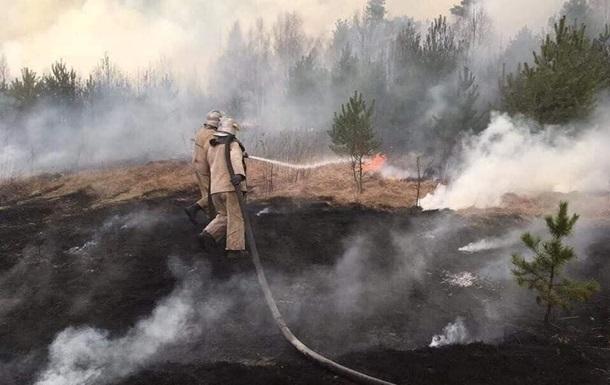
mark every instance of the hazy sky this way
{"type": "Point", "coordinates": [138, 32]}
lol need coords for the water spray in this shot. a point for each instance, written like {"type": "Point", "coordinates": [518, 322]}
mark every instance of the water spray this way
{"type": "Point", "coordinates": [302, 166]}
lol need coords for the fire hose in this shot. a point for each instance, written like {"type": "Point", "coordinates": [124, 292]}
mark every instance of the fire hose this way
{"type": "Point", "coordinates": [329, 364]}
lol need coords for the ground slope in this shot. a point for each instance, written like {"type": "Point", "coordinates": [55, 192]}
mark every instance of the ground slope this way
{"type": "Point", "coordinates": [368, 286]}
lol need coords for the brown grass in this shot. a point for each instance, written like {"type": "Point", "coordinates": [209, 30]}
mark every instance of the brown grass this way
{"type": "Point", "coordinates": [164, 177]}
{"type": "Point", "coordinates": [589, 205]}
{"type": "Point", "coordinates": [333, 183]}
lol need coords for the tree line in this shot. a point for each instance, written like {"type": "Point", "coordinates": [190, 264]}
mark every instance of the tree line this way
{"type": "Point", "coordinates": [433, 83]}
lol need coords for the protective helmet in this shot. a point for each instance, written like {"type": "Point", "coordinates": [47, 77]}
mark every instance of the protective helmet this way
{"type": "Point", "coordinates": [213, 118]}
{"type": "Point", "coordinates": [228, 126]}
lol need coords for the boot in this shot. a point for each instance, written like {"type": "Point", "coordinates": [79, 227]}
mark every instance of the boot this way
{"type": "Point", "coordinates": [191, 212]}
{"type": "Point", "coordinates": [207, 242]}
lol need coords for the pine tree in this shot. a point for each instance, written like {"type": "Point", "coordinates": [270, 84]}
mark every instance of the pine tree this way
{"type": "Point", "coordinates": [26, 90]}
{"type": "Point", "coordinates": [61, 85]}
{"type": "Point", "coordinates": [544, 272]}
{"type": "Point", "coordinates": [564, 80]}
{"type": "Point", "coordinates": [440, 51]}
{"type": "Point", "coordinates": [352, 134]}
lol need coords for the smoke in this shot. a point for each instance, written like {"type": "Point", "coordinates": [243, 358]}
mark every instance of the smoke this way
{"type": "Point", "coordinates": [415, 271]}
{"type": "Point", "coordinates": [199, 61]}
{"type": "Point", "coordinates": [187, 32]}
{"type": "Point", "coordinates": [492, 243]}
{"type": "Point", "coordinates": [79, 33]}
{"type": "Point", "coordinates": [508, 16]}
{"type": "Point", "coordinates": [511, 157]}
{"type": "Point", "coordinates": [88, 356]}
{"type": "Point", "coordinates": [143, 129]}
{"type": "Point", "coordinates": [395, 172]}
{"type": "Point", "coordinates": [454, 333]}
{"type": "Point", "coordinates": [394, 283]}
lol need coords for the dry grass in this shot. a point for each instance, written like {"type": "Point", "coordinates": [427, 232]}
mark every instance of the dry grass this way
{"type": "Point", "coordinates": [164, 177]}
{"type": "Point", "coordinates": [332, 183]}
{"type": "Point", "coordinates": [107, 185]}
{"type": "Point", "coordinates": [589, 205]}
{"type": "Point", "coordinates": [335, 182]}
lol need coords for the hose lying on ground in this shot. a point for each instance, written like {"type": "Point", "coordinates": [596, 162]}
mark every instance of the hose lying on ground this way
{"type": "Point", "coordinates": [277, 316]}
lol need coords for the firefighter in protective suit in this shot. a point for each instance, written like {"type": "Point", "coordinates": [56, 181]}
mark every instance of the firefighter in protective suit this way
{"type": "Point", "coordinates": [229, 220]}
{"type": "Point", "coordinates": [202, 173]}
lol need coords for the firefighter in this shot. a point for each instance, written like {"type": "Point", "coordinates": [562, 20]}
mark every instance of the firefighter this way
{"type": "Point", "coordinates": [200, 164]}
{"type": "Point", "coordinates": [229, 220]}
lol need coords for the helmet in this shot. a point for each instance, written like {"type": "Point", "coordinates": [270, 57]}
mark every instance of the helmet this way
{"type": "Point", "coordinates": [213, 118]}
{"type": "Point", "coordinates": [228, 126]}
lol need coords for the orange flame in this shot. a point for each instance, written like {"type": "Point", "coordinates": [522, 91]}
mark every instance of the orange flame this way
{"type": "Point", "coordinates": [375, 164]}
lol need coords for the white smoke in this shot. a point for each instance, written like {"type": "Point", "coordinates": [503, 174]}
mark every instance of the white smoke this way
{"type": "Point", "coordinates": [10, 156]}
{"type": "Point", "coordinates": [508, 157]}
{"type": "Point", "coordinates": [394, 172]}
{"type": "Point", "coordinates": [453, 333]}
{"type": "Point", "coordinates": [266, 210]}
{"type": "Point", "coordinates": [488, 244]}
{"type": "Point", "coordinates": [88, 356]}
{"type": "Point", "coordinates": [188, 32]}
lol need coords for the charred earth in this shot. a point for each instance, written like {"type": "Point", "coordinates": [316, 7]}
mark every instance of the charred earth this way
{"type": "Point", "coordinates": [122, 294]}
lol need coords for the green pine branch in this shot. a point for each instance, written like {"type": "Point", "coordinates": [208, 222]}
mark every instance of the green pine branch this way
{"type": "Point", "coordinates": [543, 273]}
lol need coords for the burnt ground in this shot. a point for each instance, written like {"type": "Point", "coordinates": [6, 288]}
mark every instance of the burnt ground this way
{"type": "Point", "coordinates": [368, 288]}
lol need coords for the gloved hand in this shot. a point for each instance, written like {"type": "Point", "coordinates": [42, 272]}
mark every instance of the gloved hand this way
{"type": "Point", "coordinates": [237, 179]}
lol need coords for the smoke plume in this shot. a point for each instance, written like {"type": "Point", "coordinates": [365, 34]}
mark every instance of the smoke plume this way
{"type": "Point", "coordinates": [453, 333]}
{"type": "Point", "coordinates": [283, 74]}
{"type": "Point", "coordinates": [88, 356]}
{"type": "Point", "coordinates": [510, 156]}
{"type": "Point", "coordinates": [186, 32]}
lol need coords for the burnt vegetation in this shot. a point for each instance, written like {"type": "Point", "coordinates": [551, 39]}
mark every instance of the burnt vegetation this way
{"type": "Point", "coordinates": [372, 303]}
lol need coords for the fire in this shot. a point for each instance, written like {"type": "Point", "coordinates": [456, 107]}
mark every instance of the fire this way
{"type": "Point", "coordinates": [375, 164]}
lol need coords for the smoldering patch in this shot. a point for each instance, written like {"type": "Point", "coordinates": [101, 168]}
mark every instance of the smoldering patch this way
{"type": "Point", "coordinates": [454, 333]}
{"type": "Point", "coordinates": [86, 355]}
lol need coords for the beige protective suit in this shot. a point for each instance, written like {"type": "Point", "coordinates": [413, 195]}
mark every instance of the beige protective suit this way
{"type": "Point", "coordinates": [229, 219]}
{"type": "Point", "coordinates": [200, 164]}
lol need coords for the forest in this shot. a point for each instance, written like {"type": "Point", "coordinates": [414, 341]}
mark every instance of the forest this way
{"type": "Point", "coordinates": [433, 84]}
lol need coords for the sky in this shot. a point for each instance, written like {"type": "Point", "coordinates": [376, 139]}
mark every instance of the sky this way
{"type": "Point", "coordinates": [138, 33]}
